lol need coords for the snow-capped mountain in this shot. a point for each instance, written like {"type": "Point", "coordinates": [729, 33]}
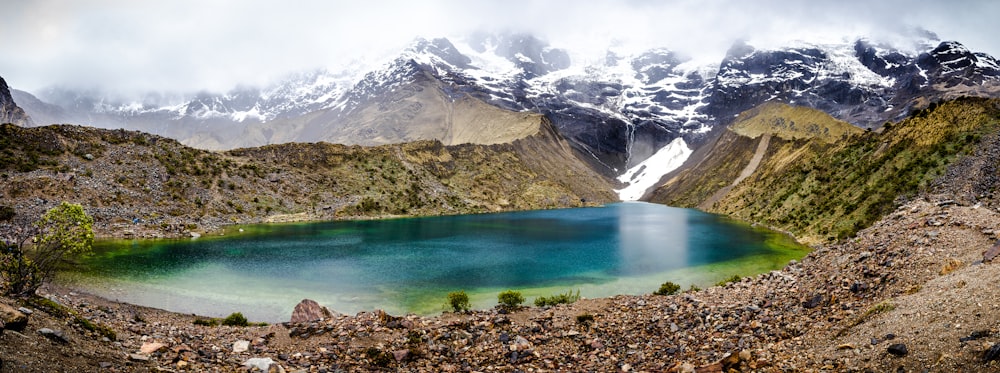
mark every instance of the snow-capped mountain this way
{"type": "Point", "coordinates": [632, 116]}
{"type": "Point", "coordinates": [863, 83]}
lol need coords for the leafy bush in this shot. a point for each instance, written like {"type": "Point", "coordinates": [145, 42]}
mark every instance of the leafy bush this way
{"type": "Point", "coordinates": [510, 300]}
{"type": "Point", "coordinates": [668, 288]}
{"type": "Point", "coordinates": [31, 260]}
{"type": "Point", "coordinates": [566, 298]}
{"type": "Point", "coordinates": [235, 319]}
{"type": "Point", "coordinates": [459, 301]}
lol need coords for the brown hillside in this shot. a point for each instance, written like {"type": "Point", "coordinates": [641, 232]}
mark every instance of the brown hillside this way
{"type": "Point", "coordinates": [143, 185]}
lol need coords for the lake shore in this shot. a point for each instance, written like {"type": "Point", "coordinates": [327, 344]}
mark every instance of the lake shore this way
{"type": "Point", "coordinates": [910, 292]}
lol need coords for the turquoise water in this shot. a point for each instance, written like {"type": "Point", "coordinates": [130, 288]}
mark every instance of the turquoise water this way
{"type": "Point", "coordinates": [409, 265]}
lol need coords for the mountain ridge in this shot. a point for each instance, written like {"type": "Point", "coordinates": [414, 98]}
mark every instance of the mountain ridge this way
{"type": "Point", "coordinates": [617, 113]}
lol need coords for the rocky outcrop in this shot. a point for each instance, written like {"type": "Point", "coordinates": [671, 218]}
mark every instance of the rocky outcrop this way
{"type": "Point", "coordinates": [9, 111]}
{"type": "Point", "coordinates": [308, 310]}
{"type": "Point", "coordinates": [12, 318]}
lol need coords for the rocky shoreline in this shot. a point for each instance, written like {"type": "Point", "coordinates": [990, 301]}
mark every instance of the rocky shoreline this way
{"type": "Point", "coordinates": [911, 293]}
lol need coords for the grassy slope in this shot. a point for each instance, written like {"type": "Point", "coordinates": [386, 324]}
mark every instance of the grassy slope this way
{"type": "Point", "coordinates": [821, 191]}
{"type": "Point", "coordinates": [121, 176]}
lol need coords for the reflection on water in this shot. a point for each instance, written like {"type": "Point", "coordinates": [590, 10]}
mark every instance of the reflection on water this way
{"type": "Point", "coordinates": [408, 265]}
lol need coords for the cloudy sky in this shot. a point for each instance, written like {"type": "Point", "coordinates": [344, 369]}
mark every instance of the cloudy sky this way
{"type": "Point", "coordinates": [187, 45]}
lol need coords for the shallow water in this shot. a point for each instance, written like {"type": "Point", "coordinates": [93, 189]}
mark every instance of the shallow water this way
{"type": "Point", "coordinates": [409, 265]}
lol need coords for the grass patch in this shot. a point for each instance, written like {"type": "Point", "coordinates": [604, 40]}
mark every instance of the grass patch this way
{"type": "Point", "coordinates": [729, 280]}
{"type": "Point", "coordinates": [565, 298]}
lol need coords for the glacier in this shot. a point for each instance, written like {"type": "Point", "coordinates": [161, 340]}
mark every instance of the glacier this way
{"type": "Point", "coordinates": [647, 174]}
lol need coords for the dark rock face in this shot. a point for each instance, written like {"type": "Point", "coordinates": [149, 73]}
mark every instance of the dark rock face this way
{"type": "Point", "coordinates": [882, 87]}
{"type": "Point", "coordinates": [9, 111]}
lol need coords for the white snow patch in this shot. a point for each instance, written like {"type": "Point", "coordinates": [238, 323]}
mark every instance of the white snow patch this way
{"type": "Point", "coordinates": [646, 174]}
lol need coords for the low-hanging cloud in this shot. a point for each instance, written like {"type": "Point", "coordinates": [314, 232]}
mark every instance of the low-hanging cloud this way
{"type": "Point", "coordinates": [187, 45]}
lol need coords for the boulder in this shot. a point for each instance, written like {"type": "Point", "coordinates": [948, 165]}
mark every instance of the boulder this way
{"type": "Point", "coordinates": [12, 319]}
{"type": "Point", "coordinates": [241, 346]}
{"type": "Point", "coordinates": [55, 335]}
{"type": "Point", "coordinates": [308, 310]}
{"type": "Point", "coordinates": [151, 347]}
{"type": "Point", "coordinates": [262, 364]}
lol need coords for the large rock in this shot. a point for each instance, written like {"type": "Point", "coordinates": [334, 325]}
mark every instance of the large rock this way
{"type": "Point", "coordinates": [308, 310]}
{"type": "Point", "coordinates": [12, 319]}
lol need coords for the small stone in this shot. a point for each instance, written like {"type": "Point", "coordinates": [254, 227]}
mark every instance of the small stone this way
{"type": "Point", "coordinates": [25, 311]}
{"type": "Point", "coordinates": [54, 335]}
{"type": "Point", "coordinates": [241, 346]}
{"type": "Point", "coordinates": [898, 349]}
{"type": "Point", "coordinates": [181, 364]}
{"type": "Point", "coordinates": [262, 364]}
{"type": "Point", "coordinates": [138, 357]}
{"type": "Point", "coordinates": [846, 346]}
{"type": "Point", "coordinates": [104, 365]}
{"type": "Point", "coordinates": [596, 344]}
{"type": "Point", "coordinates": [686, 368]}
{"type": "Point", "coordinates": [151, 347]}
{"type": "Point", "coordinates": [814, 302]}
{"type": "Point", "coordinates": [504, 337]}
{"type": "Point", "coordinates": [400, 355]}
{"type": "Point", "coordinates": [745, 355]}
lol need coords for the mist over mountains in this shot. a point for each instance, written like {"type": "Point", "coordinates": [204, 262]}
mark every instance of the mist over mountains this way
{"type": "Point", "coordinates": [617, 112]}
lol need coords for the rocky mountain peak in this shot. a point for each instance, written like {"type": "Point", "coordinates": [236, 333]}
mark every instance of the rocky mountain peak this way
{"type": "Point", "coordinates": [9, 111]}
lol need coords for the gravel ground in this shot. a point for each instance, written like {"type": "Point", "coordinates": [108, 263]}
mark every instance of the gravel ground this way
{"type": "Point", "coordinates": [915, 281]}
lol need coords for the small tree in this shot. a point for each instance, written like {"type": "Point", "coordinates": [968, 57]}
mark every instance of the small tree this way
{"type": "Point", "coordinates": [510, 300]}
{"type": "Point", "coordinates": [668, 288]}
{"type": "Point", "coordinates": [459, 301]}
{"type": "Point", "coordinates": [27, 263]}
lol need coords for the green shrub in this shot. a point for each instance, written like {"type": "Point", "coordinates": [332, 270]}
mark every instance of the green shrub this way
{"type": "Point", "coordinates": [566, 298]}
{"type": "Point", "coordinates": [668, 288]}
{"type": "Point", "coordinates": [733, 278]}
{"type": "Point", "coordinates": [207, 322]}
{"type": "Point", "coordinates": [235, 319]}
{"type": "Point", "coordinates": [694, 288]}
{"type": "Point", "coordinates": [459, 301]}
{"type": "Point", "coordinates": [510, 300]}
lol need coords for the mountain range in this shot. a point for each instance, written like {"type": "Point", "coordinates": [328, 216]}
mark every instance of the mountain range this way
{"type": "Point", "coordinates": [635, 117]}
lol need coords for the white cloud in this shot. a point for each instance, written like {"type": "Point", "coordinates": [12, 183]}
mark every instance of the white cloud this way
{"type": "Point", "coordinates": [215, 45]}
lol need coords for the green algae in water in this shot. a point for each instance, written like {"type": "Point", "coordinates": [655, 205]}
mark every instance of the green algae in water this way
{"type": "Point", "coordinates": [409, 265]}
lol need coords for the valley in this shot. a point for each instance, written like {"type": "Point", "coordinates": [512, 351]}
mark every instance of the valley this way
{"type": "Point", "coordinates": [882, 158]}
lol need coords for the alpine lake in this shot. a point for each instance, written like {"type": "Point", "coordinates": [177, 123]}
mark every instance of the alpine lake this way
{"type": "Point", "coordinates": [409, 265]}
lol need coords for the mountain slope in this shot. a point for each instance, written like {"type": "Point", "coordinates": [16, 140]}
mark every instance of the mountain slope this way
{"type": "Point", "coordinates": [135, 183]}
{"type": "Point", "coordinates": [820, 190]}
{"type": "Point", "coordinates": [616, 112]}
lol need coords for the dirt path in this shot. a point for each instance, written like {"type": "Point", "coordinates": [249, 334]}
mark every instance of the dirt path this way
{"type": "Point", "coordinates": [758, 156]}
